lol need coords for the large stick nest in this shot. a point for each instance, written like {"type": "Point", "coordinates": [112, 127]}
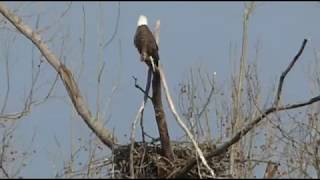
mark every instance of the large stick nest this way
{"type": "Point", "coordinates": [148, 163]}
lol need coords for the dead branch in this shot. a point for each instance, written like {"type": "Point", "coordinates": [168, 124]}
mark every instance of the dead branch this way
{"type": "Point", "coordinates": [6, 97]}
{"type": "Point", "coordinates": [274, 108]}
{"type": "Point", "coordinates": [27, 104]}
{"type": "Point", "coordinates": [65, 74]}
{"type": "Point", "coordinates": [180, 122]}
{"type": "Point", "coordinates": [115, 29]}
{"type": "Point", "coordinates": [140, 113]}
{"type": "Point", "coordinates": [207, 101]}
{"type": "Point", "coordinates": [284, 74]}
{"type": "Point", "coordinates": [139, 87]}
{"type": "Point", "coordinates": [156, 32]}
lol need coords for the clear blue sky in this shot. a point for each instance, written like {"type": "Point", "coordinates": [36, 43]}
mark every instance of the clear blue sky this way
{"type": "Point", "coordinates": [192, 34]}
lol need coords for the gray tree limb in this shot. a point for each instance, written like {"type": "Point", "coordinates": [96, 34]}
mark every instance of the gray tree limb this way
{"type": "Point", "coordinates": [66, 76]}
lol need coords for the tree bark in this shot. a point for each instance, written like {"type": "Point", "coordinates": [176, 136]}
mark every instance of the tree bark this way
{"type": "Point", "coordinates": [160, 116]}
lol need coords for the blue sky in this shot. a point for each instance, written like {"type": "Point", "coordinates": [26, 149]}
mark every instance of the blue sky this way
{"type": "Point", "coordinates": [192, 34]}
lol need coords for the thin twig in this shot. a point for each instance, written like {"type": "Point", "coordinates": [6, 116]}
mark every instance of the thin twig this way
{"type": "Point", "coordinates": [56, 21]}
{"type": "Point", "coordinates": [139, 87]}
{"type": "Point", "coordinates": [50, 90]}
{"type": "Point", "coordinates": [115, 29]}
{"type": "Point", "coordinates": [207, 102]}
{"type": "Point", "coordinates": [28, 103]}
{"type": "Point", "coordinates": [5, 101]}
{"type": "Point", "coordinates": [83, 41]}
{"type": "Point", "coordinates": [98, 89]}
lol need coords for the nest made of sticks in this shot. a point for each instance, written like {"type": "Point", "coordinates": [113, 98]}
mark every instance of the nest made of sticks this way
{"type": "Point", "coordinates": [148, 163]}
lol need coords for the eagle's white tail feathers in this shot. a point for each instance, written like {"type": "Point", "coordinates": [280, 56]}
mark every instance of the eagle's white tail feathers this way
{"type": "Point", "coordinates": [152, 63]}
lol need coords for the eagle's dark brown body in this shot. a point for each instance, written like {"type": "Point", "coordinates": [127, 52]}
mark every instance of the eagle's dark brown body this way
{"type": "Point", "coordinates": [146, 44]}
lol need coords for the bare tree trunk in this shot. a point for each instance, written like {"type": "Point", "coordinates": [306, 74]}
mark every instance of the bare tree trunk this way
{"type": "Point", "coordinates": [160, 116]}
{"type": "Point", "coordinates": [158, 107]}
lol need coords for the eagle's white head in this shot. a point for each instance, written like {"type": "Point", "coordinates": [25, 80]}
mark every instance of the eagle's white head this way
{"type": "Point", "coordinates": [142, 20]}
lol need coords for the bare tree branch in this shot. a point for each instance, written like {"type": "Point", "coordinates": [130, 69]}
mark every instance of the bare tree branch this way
{"type": "Point", "coordinates": [115, 29]}
{"type": "Point", "coordinates": [180, 122]}
{"type": "Point", "coordinates": [284, 74]}
{"type": "Point", "coordinates": [65, 74]}
{"type": "Point", "coordinates": [140, 113]}
{"type": "Point", "coordinates": [8, 80]}
{"type": "Point", "coordinates": [83, 41]}
{"type": "Point", "coordinates": [224, 147]}
{"type": "Point", "coordinates": [207, 101]}
{"type": "Point", "coordinates": [139, 87]}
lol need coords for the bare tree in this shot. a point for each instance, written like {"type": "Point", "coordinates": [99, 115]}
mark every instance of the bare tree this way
{"type": "Point", "coordinates": [287, 151]}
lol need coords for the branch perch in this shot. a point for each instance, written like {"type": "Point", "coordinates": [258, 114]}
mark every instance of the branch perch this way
{"type": "Point", "coordinates": [160, 116]}
{"type": "Point", "coordinates": [158, 107]}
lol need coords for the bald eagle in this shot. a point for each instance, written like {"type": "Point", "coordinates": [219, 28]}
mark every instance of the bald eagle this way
{"type": "Point", "coordinates": [146, 43]}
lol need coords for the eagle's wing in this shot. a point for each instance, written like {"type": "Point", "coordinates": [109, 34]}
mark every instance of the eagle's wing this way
{"type": "Point", "coordinates": [146, 43]}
